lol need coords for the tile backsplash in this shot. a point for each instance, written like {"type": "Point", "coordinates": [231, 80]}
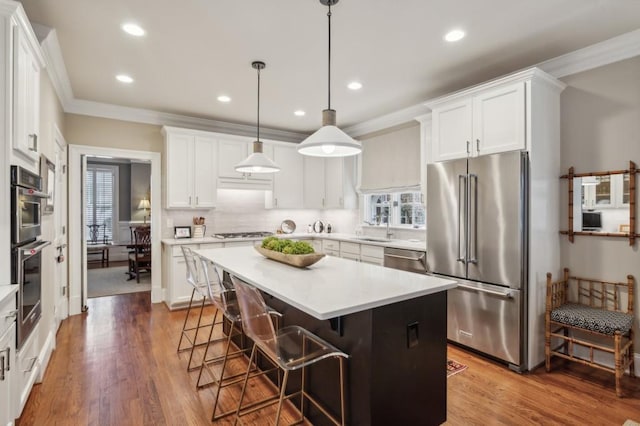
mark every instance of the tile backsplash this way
{"type": "Point", "coordinates": [243, 210]}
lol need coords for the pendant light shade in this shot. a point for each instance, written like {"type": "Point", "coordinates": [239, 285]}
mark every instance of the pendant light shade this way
{"type": "Point", "coordinates": [257, 162]}
{"type": "Point", "coordinates": [329, 140]}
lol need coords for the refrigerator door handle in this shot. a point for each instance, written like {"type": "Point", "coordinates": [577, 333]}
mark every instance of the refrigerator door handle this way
{"type": "Point", "coordinates": [473, 253]}
{"type": "Point", "coordinates": [462, 183]}
{"type": "Point", "coordinates": [508, 294]}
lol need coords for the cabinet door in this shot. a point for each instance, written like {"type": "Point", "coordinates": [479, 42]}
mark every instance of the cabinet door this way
{"type": "Point", "coordinates": [205, 173]}
{"type": "Point", "coordinates": [26, 95]}
{"type": "Point", "coordinates": [288, 182]}
{"type": "Point", "coordinates": [8, 367]}
{"type": "Point", "coordinates": [179, 171]}
{"type": "Point", "coordinates": [499, 120]}
{"type": "Point", "coordinates": [451, 132]}
{"type": "Point", "coordinates": [313, 182]}
{"type": "Point", "coordinates": [334, 179]}
{"type": "Point", "coordinates": [230, 153]}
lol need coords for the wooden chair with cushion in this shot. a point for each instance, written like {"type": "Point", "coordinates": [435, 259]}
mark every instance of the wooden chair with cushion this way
{"type": "Point", "coordinates": [140, 258]}
{"type": "Point", "coordinates": [577, 308]}
{"type": "Point", "coordinates": [98, 244]}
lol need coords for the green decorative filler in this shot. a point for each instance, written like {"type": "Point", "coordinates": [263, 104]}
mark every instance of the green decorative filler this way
{"type": "Point", "coordinates": [294, 253]}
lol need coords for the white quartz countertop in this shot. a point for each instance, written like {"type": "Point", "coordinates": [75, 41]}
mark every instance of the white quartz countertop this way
{"type": "Point", "coordinates": [330, 288]}
{"type": "Point", "coordinates": [402, 244]}
{"type": "Point", "coordinates": [7, 290]}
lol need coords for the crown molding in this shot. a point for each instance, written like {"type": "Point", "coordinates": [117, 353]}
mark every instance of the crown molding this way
{"type": "Point", "coordinates": [386, 121]}
{"type": "Point", "coordinates": [55, 63]}
{"type": "Point", "coordinates": [606, 52]}
{"type": "Point", "coordinates": [139, 115]}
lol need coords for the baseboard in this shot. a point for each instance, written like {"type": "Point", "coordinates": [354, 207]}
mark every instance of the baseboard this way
{"type": "Point", "coordinates": [45, 352]}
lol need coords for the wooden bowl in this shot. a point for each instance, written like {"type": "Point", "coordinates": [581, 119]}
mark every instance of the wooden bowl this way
{"type": "Point", "coordinates": [298, 260]}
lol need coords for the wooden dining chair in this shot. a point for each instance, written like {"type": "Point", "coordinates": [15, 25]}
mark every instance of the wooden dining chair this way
{"type": "Point", "coordinates": [140, 259]}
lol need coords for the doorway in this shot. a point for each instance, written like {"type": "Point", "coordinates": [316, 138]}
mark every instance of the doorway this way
{"type": "Point", "coordinates": [78, 156]}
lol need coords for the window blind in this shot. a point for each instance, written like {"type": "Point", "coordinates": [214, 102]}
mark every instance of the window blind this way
{"type": "Point", "coordinates": [391, 161]}
{"type": "Point", "coordinates": [100, 196]}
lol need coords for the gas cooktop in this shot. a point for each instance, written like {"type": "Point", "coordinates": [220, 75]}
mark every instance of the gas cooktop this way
{"type": "Point", "coordinates": [251, 234]}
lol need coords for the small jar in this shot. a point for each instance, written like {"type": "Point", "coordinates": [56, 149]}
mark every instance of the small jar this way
{"type": "Point", "coordinates": [328, 228]}
{"type": "Point", "coordinates": [309, 229]}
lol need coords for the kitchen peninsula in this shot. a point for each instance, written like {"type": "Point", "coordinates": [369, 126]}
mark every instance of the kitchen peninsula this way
{"type": "Point", "coordinates": [392, 324]}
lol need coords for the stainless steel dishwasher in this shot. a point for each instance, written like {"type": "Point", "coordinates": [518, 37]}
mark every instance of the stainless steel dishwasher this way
{"type": "Point", "coordinates": [407, 260]}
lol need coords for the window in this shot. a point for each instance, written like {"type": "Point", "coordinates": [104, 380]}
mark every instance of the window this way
{"type": "Point", "coordinates": [100, 194]}
{"type": "Point", "coordinates": [400, 209]}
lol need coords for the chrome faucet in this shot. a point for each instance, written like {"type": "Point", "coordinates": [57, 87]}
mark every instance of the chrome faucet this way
{"type": "Point", "coordinates": [389, 233]}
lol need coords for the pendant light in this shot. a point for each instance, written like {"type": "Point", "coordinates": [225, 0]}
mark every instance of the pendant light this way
{"type": "Point", "coordinates": [329, 140]}
{"type": "Point", "coordinates": [257, 162]}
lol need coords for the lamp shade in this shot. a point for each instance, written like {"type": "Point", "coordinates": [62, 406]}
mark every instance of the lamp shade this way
{"type": "Point", "coordinates": [329, 141]}
{"type": "Point", "coordinates": [257, 162]}
{"type": "Point", "coordinates": [144, 204]}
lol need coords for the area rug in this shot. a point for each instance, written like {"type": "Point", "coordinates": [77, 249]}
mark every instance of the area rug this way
{"type": "Point", "coordinates": [454, 367]}
{"type": "Point", "coordinates": [631, 423]}
{"type": "Point", "coordinates": [114, 280]}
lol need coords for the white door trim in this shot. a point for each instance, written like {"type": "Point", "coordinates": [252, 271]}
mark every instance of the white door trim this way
{"type": "Point", "coordinates": [61, 300]}
{"type": "Point", "coordinates": [77, 243]}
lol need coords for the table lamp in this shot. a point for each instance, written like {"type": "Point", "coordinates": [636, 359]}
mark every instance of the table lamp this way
{"type": "Point", "coordinates": [145, 205]}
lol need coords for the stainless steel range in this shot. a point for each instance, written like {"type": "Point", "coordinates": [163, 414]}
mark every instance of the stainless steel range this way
{"type": "Point", "coordinates": [249, 234]}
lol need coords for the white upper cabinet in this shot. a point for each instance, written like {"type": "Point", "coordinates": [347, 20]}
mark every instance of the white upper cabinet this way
{"type": "Point", "coordinates": [20, 48]}
{"type": "Point", "coordinates": [287, 183]}
{"type": "Point", "coordinates": [190, 170]}
{"type": "Point", "coordinates": [329, 183]}
{"type": "Point", "coordinates": [487, 122]}
{"type": "Point", "coordinates": [313, 182]}
{"type": "Point", "coordinates": [231, 152]}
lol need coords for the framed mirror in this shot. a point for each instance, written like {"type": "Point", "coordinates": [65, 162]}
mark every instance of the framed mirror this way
{"type": "Point", "coordinates": [602, 203]}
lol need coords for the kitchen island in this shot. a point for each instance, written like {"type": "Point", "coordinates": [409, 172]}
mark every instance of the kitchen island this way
{"type": "Point", "coordinates": [392, 324]}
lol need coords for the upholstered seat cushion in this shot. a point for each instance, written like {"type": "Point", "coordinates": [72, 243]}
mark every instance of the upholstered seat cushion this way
{"type": "Point", "coordinates": [592, 319]}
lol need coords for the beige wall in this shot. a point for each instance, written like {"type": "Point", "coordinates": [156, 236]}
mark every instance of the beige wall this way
{"type": "Point", "coordinates": [105, 132]}
{"type": "Point", "coordinates": [600, 131]}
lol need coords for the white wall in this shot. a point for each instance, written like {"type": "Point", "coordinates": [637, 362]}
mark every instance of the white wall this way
{"type": "Point", "coordinates": [600, 116]}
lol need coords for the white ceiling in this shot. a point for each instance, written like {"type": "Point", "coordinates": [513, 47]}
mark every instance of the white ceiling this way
{"type": "Point", "coordinates": [195, 50]}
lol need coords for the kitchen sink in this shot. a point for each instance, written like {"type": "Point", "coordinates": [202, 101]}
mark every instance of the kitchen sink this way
{"type": "Point", "coordinates": [372, 239]}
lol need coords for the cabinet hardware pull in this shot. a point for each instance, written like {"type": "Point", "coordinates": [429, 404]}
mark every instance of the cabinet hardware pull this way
{"type": "Point", "coordinates": [478, 146]}
{"type": "Point", "coordinates": [189, 199]}
{"type": "Point", "coordinates": [12, 314]}
{"type": "Point", "coordinates": [276, 202]}
{"type": "Point", "coordinates": [32, 363]}
{"type": "Point", "coordinates": [7, 355]}
{"type": "Point", "coordinates": [1, 368]}
{"type": "Point", "coordinates": [197, 200]}
{"type": "Point", "coordinates": [468, 150]}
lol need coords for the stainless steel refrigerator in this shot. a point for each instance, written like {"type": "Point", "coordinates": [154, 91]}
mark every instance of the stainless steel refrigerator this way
{"type": "Point", "coordinates": [477, 233]}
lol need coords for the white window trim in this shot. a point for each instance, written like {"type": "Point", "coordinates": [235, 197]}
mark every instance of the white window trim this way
{"type": "Point", "coordinates": [116, 194]}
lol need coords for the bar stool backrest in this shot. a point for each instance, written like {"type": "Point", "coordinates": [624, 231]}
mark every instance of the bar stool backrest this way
{"type": "Point", "coordinates": [193, 270]}
{"type": "Point", "coordinates": [256, 321]}
{"type": "Point", "coordinates": [221, 296]}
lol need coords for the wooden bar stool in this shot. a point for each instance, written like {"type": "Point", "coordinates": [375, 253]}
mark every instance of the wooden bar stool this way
{"type": "Point", "coordinates": [290, 349]}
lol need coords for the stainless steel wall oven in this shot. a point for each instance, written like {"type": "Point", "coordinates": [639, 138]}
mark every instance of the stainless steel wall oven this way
{"type": "Point", "coordinates": [26, 248]}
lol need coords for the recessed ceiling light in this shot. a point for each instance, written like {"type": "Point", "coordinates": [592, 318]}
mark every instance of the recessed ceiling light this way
{"type": "Point", "coordinates": [123, 78]}
{"type": "Point", "coordinates": [454, 35]}
{"type": "Point", "coordinates": [299, 113]}
{"type": "Point", "coordinates": [224, 98]}
{"type": "Point", "coordinates": [133, 29]}
{"type": "Point", "coordinates": [355, 85]}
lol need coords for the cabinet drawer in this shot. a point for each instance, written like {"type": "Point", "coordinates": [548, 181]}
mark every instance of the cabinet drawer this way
{"type": "Point", "coordinates": [211, 246]}
{"type": "Point", "coordinates": [7, 312]}
{"type": "Point", "coordinates": [372, 260]}
{"type": "Point", "coordinates": [176, 251]}
{"type": "Point", "coordinates": [27, 368]}
{"type": "Point", "coordinates": [351, 256]}
{"type": "Point", "coordinates": [376, 252]}
{"type": "Point", "coordinates": [330, 245]}
{"type": "Point", "coordinates": [332, 252]}
{"type": "Point", "coordinates": [351, 248]}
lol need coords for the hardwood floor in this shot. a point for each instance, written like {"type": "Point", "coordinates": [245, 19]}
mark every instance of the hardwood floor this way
{"type": "Point", "coordinates": [117, 365]}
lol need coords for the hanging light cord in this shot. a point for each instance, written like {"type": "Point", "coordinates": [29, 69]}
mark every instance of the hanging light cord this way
{"type": "Point", "coordinates": [329, 61]}
{"type": "Point", "coordinates": [258, 131]}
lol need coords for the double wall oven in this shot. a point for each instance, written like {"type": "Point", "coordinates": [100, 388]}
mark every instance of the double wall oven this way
{"type": "Point", "coordinates": [26, 248]}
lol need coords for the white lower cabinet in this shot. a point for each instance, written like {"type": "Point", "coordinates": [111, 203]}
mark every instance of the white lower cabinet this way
{"type": "Point", "coordinates": [350, 251]}
{"type": "Point", "coordinates": [178, 291]}
{"type": "Point", "coordinates": [7, 374]}
{"type": "Point", "coordinates": [331, 247]}
{"type": "Point", "coordinates": [27, 368]}
{"type": "Point", "coordinates": [372, 254]}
